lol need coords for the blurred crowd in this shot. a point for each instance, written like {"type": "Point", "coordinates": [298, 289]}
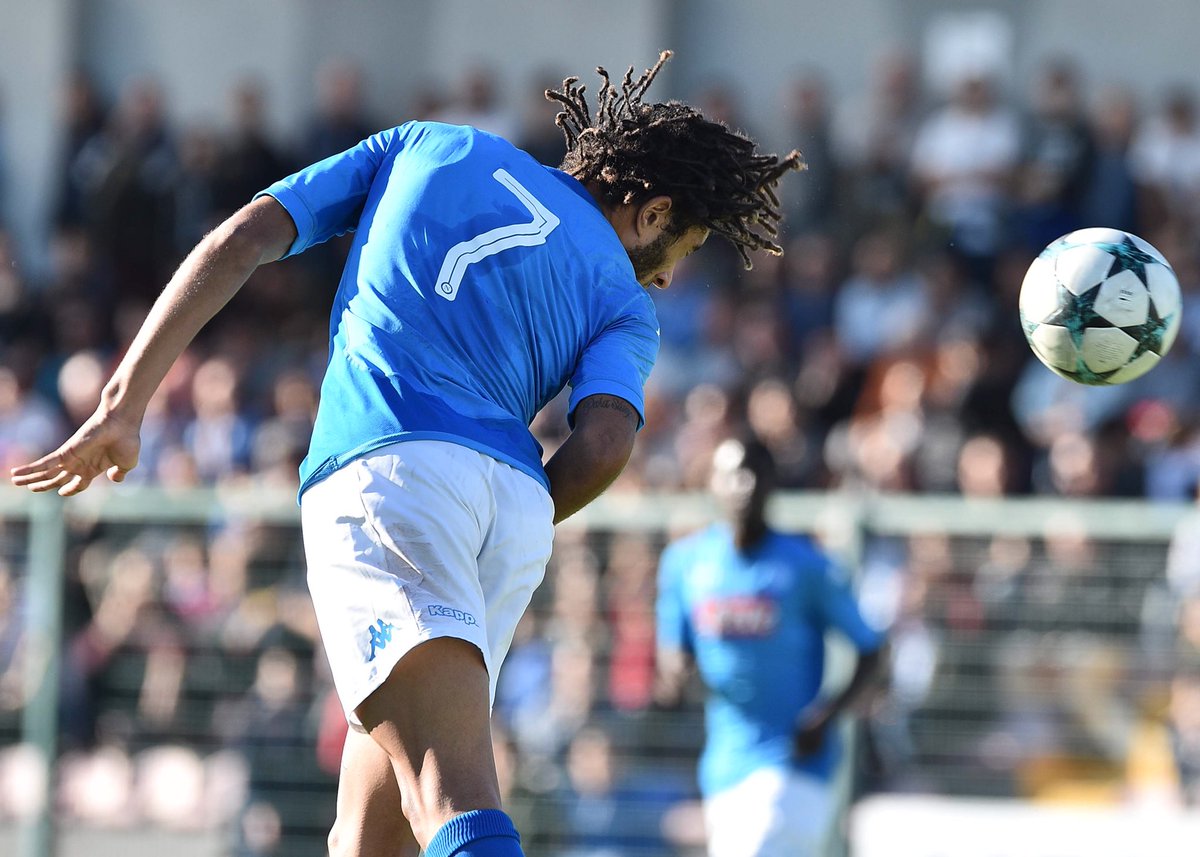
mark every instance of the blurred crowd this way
{"type": "Point", "coordinates": [881, 353]}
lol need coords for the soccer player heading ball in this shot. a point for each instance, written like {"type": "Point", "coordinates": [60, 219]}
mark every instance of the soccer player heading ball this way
{"type": "Point", "coordinates": [479, 284]}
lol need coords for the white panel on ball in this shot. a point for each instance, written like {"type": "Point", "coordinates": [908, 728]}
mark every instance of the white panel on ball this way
{"type": "Point", "coordinates": [1054, 345]}
{"type": "Point", "coordinates": [1082, 268]}
{"type": "Point", "coordinates": [1097, 235]}
{"type": "Point", "coordinates": [1164, 289]}
{"type": "Point", "coordinates": [1144, 363]}
{"type": "Point", "coordinates": [1123, 300]}
{"type": "Point", "coordinates": [1106, 348]}
{"type": "Point", "coordinates": [1039, 297]}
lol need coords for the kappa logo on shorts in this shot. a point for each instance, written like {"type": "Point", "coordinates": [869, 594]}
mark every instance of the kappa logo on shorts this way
{"type": "Point", "coordinates": [381, 635]}
{"type": "Point", "coordinates": [451, 613]}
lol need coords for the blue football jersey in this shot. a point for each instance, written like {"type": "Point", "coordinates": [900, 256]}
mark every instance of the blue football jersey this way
{"type": "Point", "coordinates": [755, 624]}
{"type": "Point", "coordinates": [478, 285]}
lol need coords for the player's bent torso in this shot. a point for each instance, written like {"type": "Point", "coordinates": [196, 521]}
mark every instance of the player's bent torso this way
{"type": "Point", "coordinates": [476, 282]}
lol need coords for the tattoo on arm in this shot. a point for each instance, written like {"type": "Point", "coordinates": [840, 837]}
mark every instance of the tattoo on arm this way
{"type": "Point", "coordinates": [607, 403]}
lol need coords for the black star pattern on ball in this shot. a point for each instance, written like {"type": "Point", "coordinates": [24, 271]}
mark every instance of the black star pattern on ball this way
{"type": "Point", "coordinates": [1149, 334]}
{"type": "Point", "coordinates": [1077, 312]}
{"type": "Point", "coordinates": [1127, 256]}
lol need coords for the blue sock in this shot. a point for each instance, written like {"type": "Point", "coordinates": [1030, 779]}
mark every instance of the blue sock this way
{"type": "Point", "coordinates": [479, 833]}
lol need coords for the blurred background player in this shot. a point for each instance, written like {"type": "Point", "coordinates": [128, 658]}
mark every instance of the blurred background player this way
{"type": "Point", "coordinates": [478, 286]}
{"type": "Point", "coordinates": [750, 607]}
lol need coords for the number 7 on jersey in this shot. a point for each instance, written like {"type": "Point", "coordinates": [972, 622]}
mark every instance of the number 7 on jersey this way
{"type": "Point", "coordinates": [530, 234]}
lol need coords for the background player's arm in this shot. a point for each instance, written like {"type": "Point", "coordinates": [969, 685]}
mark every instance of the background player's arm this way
{"type": "Point", "coordinates": [593, 455]}
{"type": "Point", "coordinates": [811, 726]}
{"type": "Point", "coordinates": [209, 277]}
{"type": "Point", "coordinates": [673, 668]}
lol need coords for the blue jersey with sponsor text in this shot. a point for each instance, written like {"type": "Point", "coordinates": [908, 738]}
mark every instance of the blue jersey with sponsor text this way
{"type": "Point", "coordinates": [755, 623]}
{"type": "Point", "coordinates": [478, 285]}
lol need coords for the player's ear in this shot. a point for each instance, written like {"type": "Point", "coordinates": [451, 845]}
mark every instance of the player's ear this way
{"type": "Point", "coordinates": [654, 213]}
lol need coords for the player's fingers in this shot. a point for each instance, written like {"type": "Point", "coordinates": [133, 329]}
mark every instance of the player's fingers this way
{"type": "Point", "coordinates": [26, 479]}
{"type": "Point", "coordinates": [47, 463]}
{"type": "Point", "coordinates": [52, 482]}
{"type": "Point", "coordinates": [116, 473]}
{"type": "Point", "coordinates": [36, 471]}
{"type": "Point", "coordinates": [76, 484]}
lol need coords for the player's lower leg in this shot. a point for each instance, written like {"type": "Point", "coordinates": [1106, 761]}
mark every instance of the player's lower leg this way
{"type": "Point", "coordinates": [432, 717]}
{"type": "Point", "coordinates": [370, 820]}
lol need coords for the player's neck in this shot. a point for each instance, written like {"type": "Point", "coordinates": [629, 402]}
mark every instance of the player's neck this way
{"type": "Point", "coordinates": [748, 533]}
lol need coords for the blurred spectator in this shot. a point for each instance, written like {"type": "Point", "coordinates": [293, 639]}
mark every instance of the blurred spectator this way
{"type": "Point", "coordinates": [127, 175]}
{"type": "Point", "coordinates": [883, 305]}
{"type": "Point", "coordinates": [985, 467]}
{"type": "Point", "coordinates": [340, 119]}
{"type": "Point", "coordinates": [83, 119]}
{"type": "Point", "coordinates": [12, 287]}
{"type": "Point", "coordinates": [198, 187]}
{"type": "Point", "coordinates": [806, 103]}
{"type": "Point", "coordinates": [962, 161]}
{"type": "Point", "coordinates": [29, 425]}
{"type": "Point", "coordinates": [874, 135]}
{"type": "Point", "coordinates": [1057, 158]}
{"type": "Point", "coordinates": [80, 382]}
{"type": "Point", "coordinates": [773, 416]}
{"type": "Point", "coordinates": [630, 620]}
{"type": "Point", "coordinates": [810, 277]}
{"type": "Point", "coordinates": [876, 448]}
{"type": "Point", "coordinates": [606, 809]}
{"type": "Point", "coordinates": [280, 442]}
{"type": "Point", "coordinates": [536, 132]}
{"type": "Point", "coordinates": [1110, 193]}
{"type": "Point", "coordinates": [721, 101]}
{"type": "Point", "coordinates": [478, 102]}
{"type": "Point", "coordinates": [1166, 158]}
{"type": "Point", "coordinates": [218, 435]}
{"type": "Point", "coordinates": [273, 736]}
{"type": "Point", "coordinates": [250, 159]}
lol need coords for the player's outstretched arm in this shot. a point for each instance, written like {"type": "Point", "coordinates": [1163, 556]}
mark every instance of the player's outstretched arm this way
{"type": "Point", "coordinates": [593, 455]}
{"type": "Point", "coordinates": [813, 723]}
{"type": "Point", "coordinates": [108, 442]}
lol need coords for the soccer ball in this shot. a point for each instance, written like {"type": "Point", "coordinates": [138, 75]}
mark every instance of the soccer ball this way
{"type": "Point", "coordinates": [1100, 306]}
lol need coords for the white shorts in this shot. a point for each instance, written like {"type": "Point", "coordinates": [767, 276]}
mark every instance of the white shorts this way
{"type": "Point", "coordinates": [772, 813]}
{"type": "Point", "coordinates": [417, 540]}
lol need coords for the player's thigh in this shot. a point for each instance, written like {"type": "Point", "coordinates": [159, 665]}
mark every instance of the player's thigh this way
{"type": "Point", "coordinates": [433, 719]}
{"type": "Point", "coordinates": [370, 819]}
{"type": "Point", "coordinates": [392, 541]}
{"type": "Point", "coordinates": [512, 561]}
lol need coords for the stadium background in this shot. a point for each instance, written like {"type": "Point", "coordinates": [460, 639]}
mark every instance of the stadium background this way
{"type": "Point", "coordinates": [1031, 545]}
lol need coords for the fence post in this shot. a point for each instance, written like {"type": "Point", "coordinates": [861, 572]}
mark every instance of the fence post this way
{"type": "Point", "coordinates": [39, 724]}
{"type": "Point", "coordinates": [846, 784]}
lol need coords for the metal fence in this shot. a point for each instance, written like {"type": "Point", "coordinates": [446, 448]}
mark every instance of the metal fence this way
{"type": "Point", "coordinates": [161, 649]}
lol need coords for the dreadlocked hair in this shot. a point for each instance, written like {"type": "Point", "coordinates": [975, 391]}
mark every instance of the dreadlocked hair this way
{"type": "Point", "coordinates": [632, 150]}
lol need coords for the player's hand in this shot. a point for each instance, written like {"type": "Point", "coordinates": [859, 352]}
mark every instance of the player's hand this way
{"type": "Point", "coordinates": [809, 735]}
{"type": "Point", "coordinates": [105, 444]}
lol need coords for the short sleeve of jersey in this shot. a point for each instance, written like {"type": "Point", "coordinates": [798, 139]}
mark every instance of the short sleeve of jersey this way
{"type": "Point", "coordinates": [671, 615]}
{"type": "Point", "coordinates": [839, 608]}
{"type": "Point", "coordinates": [618, 361]}
{"type": "Point", "coordinates": [325, 199]}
